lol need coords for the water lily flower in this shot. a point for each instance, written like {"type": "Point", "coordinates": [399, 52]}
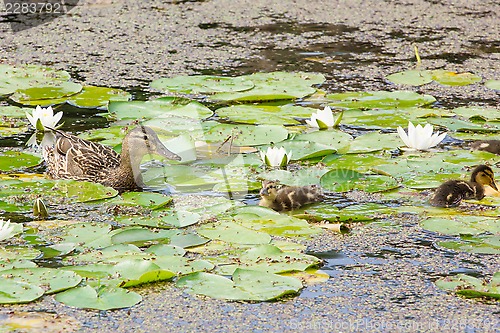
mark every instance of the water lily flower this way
{"type": "Point", "coordinates": [44, 117]}
{"type": "Point", "coordinates": [6, 230]}
{"type": "Point", "coordinates": [276, 157]}
{"type": "Point", "coordinates": [323, 119]}
{"type": "Point", "coordinates": [420, 138]}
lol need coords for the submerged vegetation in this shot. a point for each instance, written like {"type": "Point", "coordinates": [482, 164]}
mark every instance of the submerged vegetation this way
{"type": "Point", "coordinates": [231, 133]}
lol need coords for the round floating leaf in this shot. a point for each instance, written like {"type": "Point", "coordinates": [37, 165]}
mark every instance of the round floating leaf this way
{"type": "Point", "coordinates": [246, 285]}
{"type": "Point", "coordinates": [94, 97]}
{"type": "Point", "coordinates": [91, 235]}
{"type": "Point", "coordinates": [164, 107]}
{"type": "Point", "coordinates": [454, 124]}
{"type": "Point", "coordinates": [274, 86]}
{"type": "Point", "coordinates": [18, 253]}
{"type": "Point", "coordinates": [139, 271]}
{"type": "Point", "coordinates": [202, 84]}
{"type": "Point", "coordinates": [471, 287]}
{"type": "Point", "coordinates": [145, 199]}
{"type": "Point", "coordinates": [303, 177]}
{"type": "Point", "coordinates": [265, 114]}
{"type": "Point", "coordinates": [335, 139]}
{"type": "Point", "coordinates": [22, 77]}
{"type": "Point", "coordinates": [233, 233]}
{"type": "Point", "coordinates": [52, 280]}
{"type": "Point", "coordinates": [247, 135]}
{"type": "Point", "coordinates": [104, 298]}
{"type": "Point", "coordinates": [46, 95]}
{"type": "Point", "coordinates": [277, 225]}
{"type": "Point", "coordinates": [303, 150]}
{"type": "Point", "coordinates": [374, 141]}
{"type": "Point", "coordinates": [478, 113]}
{"type": "Point", "coordinates": [411, 77]}
{"type": "Point", "coordinates": [343, 180]}
{"type": "Point", "coordinates": [11, 160]}
{"type": "Point", "coordinates": [493, 84]}
{"type": "Point", "coordinates": [379, 99]}
{"type": "Point", "coordinates": [449, 78]}
{"type": "Point", "coordinates": [181, 265]}
{"type": "Point", "coordinates": [140, 236]}
{"type": "Point", "coordinates": [12, 292]}
{"type": "Point", "coordinates": [481, 244]}
{"type": "Point", "coordinates": [462, 225]}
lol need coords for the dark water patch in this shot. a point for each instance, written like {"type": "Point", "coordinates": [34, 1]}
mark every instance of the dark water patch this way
{"type": "Point", "coordinates": [335, 261]}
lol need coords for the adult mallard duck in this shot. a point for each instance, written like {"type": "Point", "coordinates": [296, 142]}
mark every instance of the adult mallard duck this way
{"type": "Point", "coordinates": [452, 192]}
{"type": "Point", "coordinates": [281, 197]}
{"type": "Point", "coordinates": [74, 158]}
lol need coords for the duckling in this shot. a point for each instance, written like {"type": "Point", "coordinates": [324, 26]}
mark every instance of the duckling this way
{"type": "Point", "coordinates": [74, 158]}
{"type": "Point", "coordinates": [281, 197]}
{"type": "Point", "coordinates": [452, 192]}
{"type": "Point", "coordinates": [492, 146]}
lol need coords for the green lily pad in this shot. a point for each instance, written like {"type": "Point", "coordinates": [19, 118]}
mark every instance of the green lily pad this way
{"type": "Point", "coordinates": [449, 78]}
{"type": "Point", "coordinates": [163, 107]}
{"type": "Point", "coordinates": [26, 76]}
{"type": "Point", "coordinates": [303, 177]}
{"type": "Point", "coordinates": [95, 97]}
{"type": "Point", "coordinates": [458, 125]}
{"type": "Point", "coordinates": [265, 114]}
{"type": "Point", "coordinates": [145, 199]}
{"type": "Point", "coordinates": [411, 77]}
{"type": "Point", "coordinates": [303, 150]}
{"type": "Point", "coordinates": [462, 225]}
{"type": "Point", "coordinates": [233, 233]}
{"type": "Point", "coordinates": [493, 84]}
{"type": "Point", "coordinates": [344, 180]}
{"type": "Point", "coordinates": [486, 244]}
{"type": "Point", "coordinates": [333, 138]}
{"type": "Point", "coordinates": [88, 235]}
{"type": "Point", "coordinates": [274, 86]}
{"type": "Point", "coordinates": [277, 225]}
{"type": "Point", "coordinates": [13, 253]}
{"type": "Point", "coordinates": [374, 141]}
{"type": "Point", "coordinates": [246, 285]}
{"type": "Point", "coordinates": [202, 84]}
{"type": "Point", "coordinates": [471, 287]}
{"type": "Point", "coordinates": [135, 272]}
{"type": "Point", "coordinates": [183, 266]}
{"type": "Point", "coordinates": [378, 99]}
{"type": "Point", "coordinates": [11, 160]}
{"type": "Point", "coordinates": [46, 95]}
{"type": "Point", "coordinates": [478, 113]}
{"type": "Point", "coordinates": [140, 236]}
{"type": "Point", "coordinates": [12, 292]}
{"type": "Point", "coordinates": [102, 298]}
{"type": "Point", "coordinates": [247, 135]}
{"type": "Point", "coordinates": [52, 280]}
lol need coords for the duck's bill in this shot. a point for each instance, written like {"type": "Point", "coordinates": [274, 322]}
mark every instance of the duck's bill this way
{"type": "Point", "coordinates": [163, 151]}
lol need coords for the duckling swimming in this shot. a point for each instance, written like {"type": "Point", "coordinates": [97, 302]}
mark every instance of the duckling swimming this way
{"type": "Point", "coordinates": [452, 192]}
{"type": "Point", "coordinates": [281, 197]}
{"type": "Point", "coordinates": [74, 158]}
{"type": "Point", "coordinates": [492, 146]}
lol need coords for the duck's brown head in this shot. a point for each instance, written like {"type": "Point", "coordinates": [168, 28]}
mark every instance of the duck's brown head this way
{"type": "Point", "coordinates": [269, 189]}
{"type": "Point", "coordinates": [484, 175]}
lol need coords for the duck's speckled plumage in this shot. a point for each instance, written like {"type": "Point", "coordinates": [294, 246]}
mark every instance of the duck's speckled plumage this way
{"type": "Point", "coordinates": [452, 192]}
{"type": "Point", "coordinates": [75, 158]}
{"type": "Point", "coordinates": [281, 197]}
{"type": "Point", "coordinates": [492, 146]}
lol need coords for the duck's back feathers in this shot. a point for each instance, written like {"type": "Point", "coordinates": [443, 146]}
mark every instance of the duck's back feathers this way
{"type": "Point", "coordinates": [452, 192]}
{"type": "Point", "coordinates": [281, 197]}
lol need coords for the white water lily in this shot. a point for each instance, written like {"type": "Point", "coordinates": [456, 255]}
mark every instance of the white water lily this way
{"type": "Point", "coordinates": [322, 119]}
{"type": "Point", "coordinates": [420, 138]}
{"type": "Point", "coordinates": [276, 157]}
{"type": "Point", "coordinates": [6, 230]}
{"type": "Point", "coordinates": [44, 117]}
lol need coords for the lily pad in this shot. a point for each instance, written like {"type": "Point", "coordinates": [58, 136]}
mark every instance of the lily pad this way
{"type": "Point", "coordinates": [374, 141]}
{"type": "Point", "coordinates": [202, 84]}
{"type": "Point", "coordinates": [471, 287]}
{"type": "Point", "coordinates": [344, 180]}
{"type": "Point", "coordinates": [11, 160]}
{"type": "Point", "coordinates": [52, 280]}
{"type": "Point", "coordinates": [335, 139]}
{"type": "Point", "coordinates": [265, 114]}
{"type": "Point", "coordinates": [411, 77]}
{"type": "Point", "coordinates": [277, 225]}
{"type": "Point", "coordinates": [135, 272]}
{"type": "Point", "coordinates": [12, 292]}
{"type": "Point", "coordinates": [247, 135]}
{"type": "Point", "coordinates": [95, 97]}
{"type": "Point", "coordinates": [246, 285]}
{"type": "Point", "coordinates": [378, 99]}
{"type": "Point", "coordinates": [303, 150]}
{"type": "Point", "coordinates": [493, 84]}
{"type": "Point", "coordinates": [449, 78]}
{"type": "Point", "coordinates": [26, 76]}
{"type": "Point", "coordinates": [46, 95]}
{"type": "Point", "coordinates": [233, 233]}
{"type": "Point", "coordinates": [478, 113]}
{"type": "Point", "coordinates": [462, 225]}
{"type": "Point", "coordinates": [102, 298]}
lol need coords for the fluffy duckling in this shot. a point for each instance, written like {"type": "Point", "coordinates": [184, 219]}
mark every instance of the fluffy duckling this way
{"type": "Point", "coordinates": [492, 146]}
{"type": "Point", "coordinates": [74, 158]}
{"type": "Point", "coordinates": [452, 192]}
{"type": "Point", "coordinates": [281, 197]}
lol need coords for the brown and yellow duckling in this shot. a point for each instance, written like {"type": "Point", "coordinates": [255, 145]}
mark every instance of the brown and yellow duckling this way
{"type": "Point", "coordinates": [281, 197]}
{"type": "Point", "coordinates": [74, 158]}
{"type": "Point", "coordinates": [492, 146]}
{"type": "Point", "coordinates": [452, 192]}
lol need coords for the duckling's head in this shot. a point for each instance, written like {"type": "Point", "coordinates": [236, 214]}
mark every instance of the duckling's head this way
{"type": "Point", "coordinates": [269, 190]}
{"type": "Point", "coordinates": [484, 175]}
{"type": "Point", "coordinates": [143, 140]}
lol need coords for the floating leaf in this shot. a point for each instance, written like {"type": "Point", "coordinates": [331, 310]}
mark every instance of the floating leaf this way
{"type": "Point", "coordinates": [202, 84]}
{"type": "Point", "coordinates": [22, 77]}
{"type": "Point", "coordinates": [145, 199]}
{"type": "Point", "coordinates": [46, 95]}
{"type": "Point", "coordinates": [462, 225]}
{"type": "Point", "coordinates": [11, 160]}
{"type": "Point", "coordinates": [471, 287]}
{"type": "Point", "coordinates": [378, 99]}
{"type": "Point", "coordinates": [104, 298]}
{"type": "Point", "coordinates": [334, 139]}
{"type": "Point", "coordinates": [233, 233]}
{"type": "Point", "coordinates": [246, 285]}
{"type": "Point", "coordinates": [343, 180]}
{"type": "Point", "coordinates": [277, 225]}
{"type": "Point", "coordinates": [138, 271]}
{"type": "Point", "coordinates": [94, 97]}
{"type": "Point", "coordinates": [265, 114]}
{"type": "Point", "coordinates": [140, 236]}
{"type": "Point", "coordinates": [247, 135]}
{"type": "Point", "coordinates": [374, 141]}
{"type": "Point", "coordinates": [493, 84]}
{"type": "Point", "coordinates": [479, 113]}
{"type": "Point", "coordinates": [52, 280]}
{"type": "Point", "coordinates": [411, 77]}
{"type": "Point", "coordinates": [449, 78]}
{"type": "Point", "coordinates": [303, 150]}
{"type": "Point", "coordinates": [12, 292]}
